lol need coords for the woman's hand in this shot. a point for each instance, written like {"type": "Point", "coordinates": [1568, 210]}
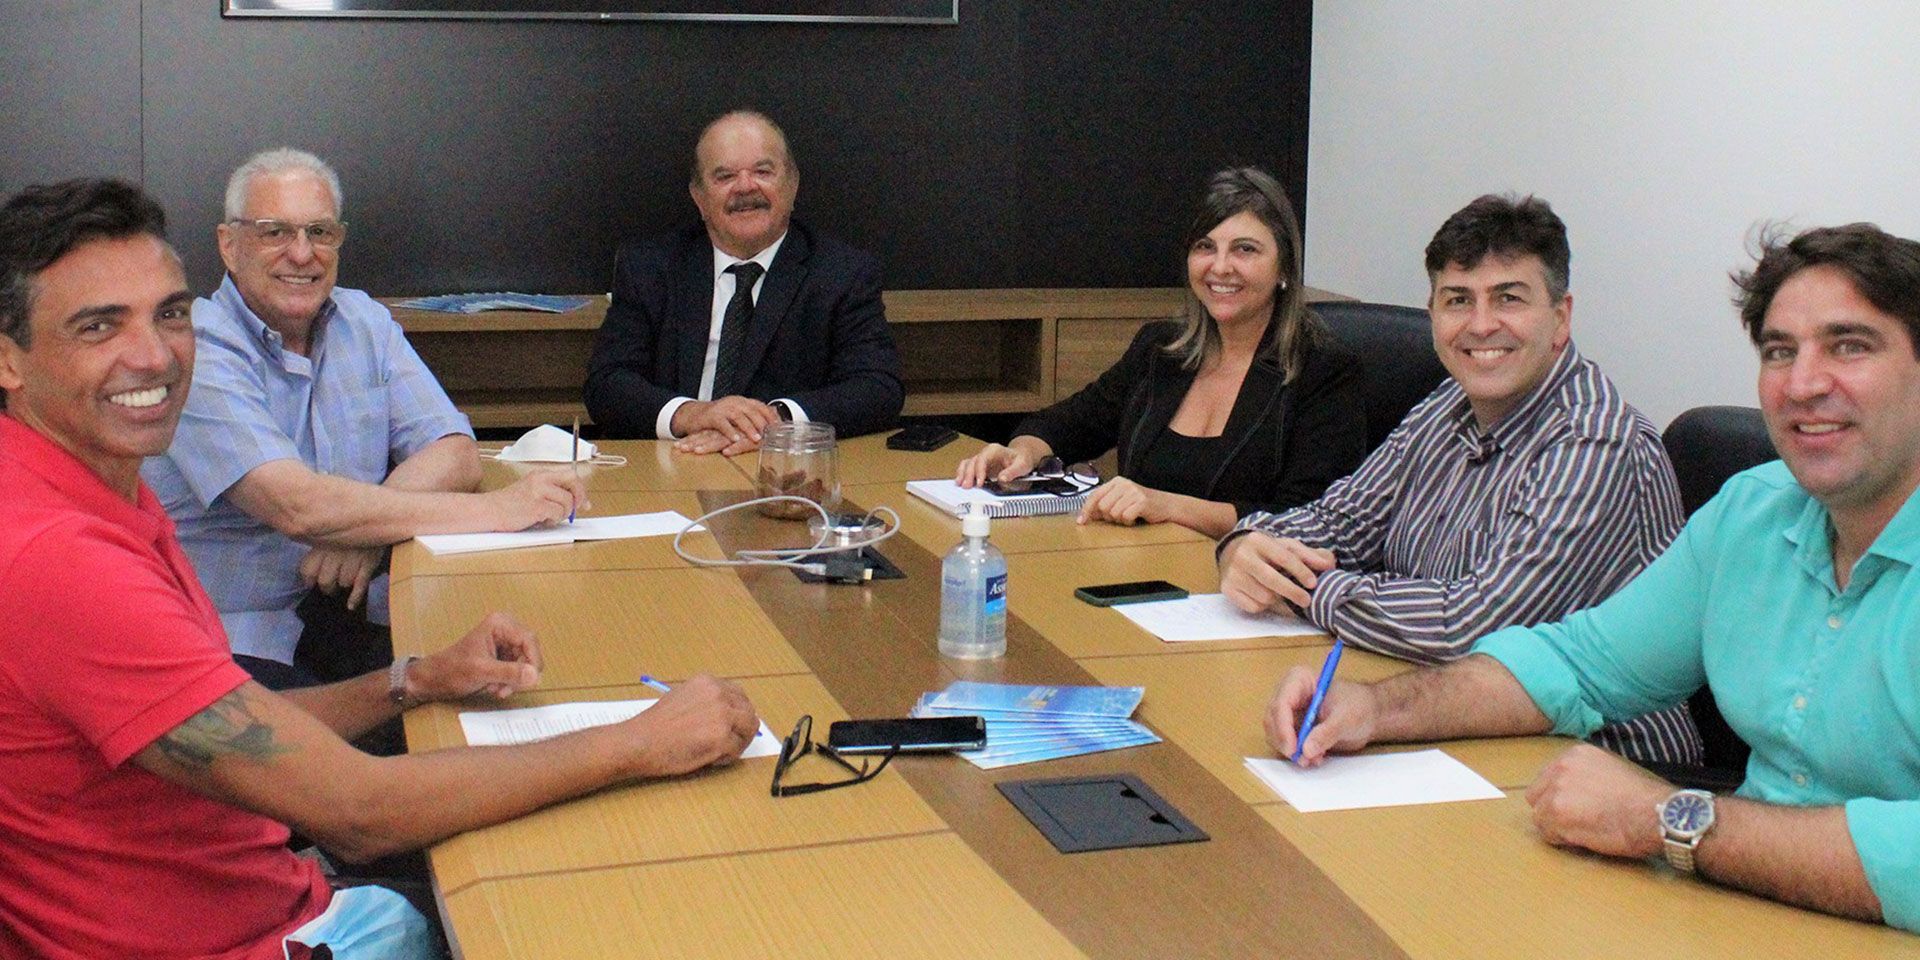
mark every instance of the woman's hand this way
{"type": "Point", "coordinates": [1124, 502]}
{"type": "Point", "coordinates": [1003, 463]}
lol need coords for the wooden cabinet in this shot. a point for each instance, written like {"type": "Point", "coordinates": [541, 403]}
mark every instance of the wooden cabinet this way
{"type": "Point", "coordinates": [508, 368]}
{"type": "Point", "coordinates": [961, 351]}
{"type": "Point", "coordinates": [1012, 351]}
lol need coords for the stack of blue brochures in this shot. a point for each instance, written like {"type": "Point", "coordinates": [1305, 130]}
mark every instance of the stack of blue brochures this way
{"type": "Point", "coordinates": [1027, 723]}
{"type": "Point", "coordinates": [476, 302]}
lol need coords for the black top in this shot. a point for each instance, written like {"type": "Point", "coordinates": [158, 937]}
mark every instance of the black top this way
{"type": "Point", "coordinates": [1179, 462]}
{"type": "Point", "coordinates": [1282, 445]}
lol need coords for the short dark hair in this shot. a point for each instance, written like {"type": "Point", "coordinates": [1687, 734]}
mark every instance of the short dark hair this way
{"type": "Point", "coordinates": [1884, 268]}
{"type": "Point", "coordinates": [41, 224]}
{"type": "Point", "coordinates": [1504, 227]}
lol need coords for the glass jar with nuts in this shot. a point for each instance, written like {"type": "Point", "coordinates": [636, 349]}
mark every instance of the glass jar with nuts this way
{"type": "Point", "coordinates": [798, 460]}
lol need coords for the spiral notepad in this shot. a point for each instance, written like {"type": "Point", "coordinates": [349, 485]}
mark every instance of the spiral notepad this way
{"type": "Point", "coordinates": [953, 498]}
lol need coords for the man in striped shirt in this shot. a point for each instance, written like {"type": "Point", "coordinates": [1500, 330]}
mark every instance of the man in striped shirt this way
{"type": "Point", "coordinates": [1524, 488]}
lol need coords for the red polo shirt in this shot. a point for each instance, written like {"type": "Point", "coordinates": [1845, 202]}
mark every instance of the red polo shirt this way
{"type": "Point", "coordinates": [106, 642]}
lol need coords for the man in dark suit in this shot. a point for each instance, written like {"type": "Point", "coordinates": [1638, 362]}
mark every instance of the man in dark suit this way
{"type": "Point", "coordinates": [714, 334]}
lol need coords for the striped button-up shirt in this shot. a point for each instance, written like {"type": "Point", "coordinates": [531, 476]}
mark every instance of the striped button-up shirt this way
{"type": "Point", "coordinates": [1449, 532]}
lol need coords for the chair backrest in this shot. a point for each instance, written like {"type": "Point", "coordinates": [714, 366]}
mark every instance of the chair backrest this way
{"type": "Point", "coordinates": [1395, 347]}
{"type": "Point", "coordinates": [1707, 445]}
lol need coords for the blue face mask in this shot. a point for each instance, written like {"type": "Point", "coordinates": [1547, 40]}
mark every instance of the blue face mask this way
{"type": "Point", "coordinates": [368, 923]}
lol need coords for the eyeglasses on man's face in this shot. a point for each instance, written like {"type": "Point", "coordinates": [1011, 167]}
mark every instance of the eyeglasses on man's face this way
{"type": "Point", "coordinates": [799, 743]}
{"type": "Point", "coordinates": [274, 234]}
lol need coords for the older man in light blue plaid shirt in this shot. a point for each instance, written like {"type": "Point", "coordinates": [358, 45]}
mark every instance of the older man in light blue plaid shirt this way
{"type": "Point", "coordinates": [314, 437]}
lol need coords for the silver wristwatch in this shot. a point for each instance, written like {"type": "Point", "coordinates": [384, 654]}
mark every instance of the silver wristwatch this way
{"type": "Point", "coordinates": [1685, 817]}
{"type": "Point", "coordinates": [397, 681]}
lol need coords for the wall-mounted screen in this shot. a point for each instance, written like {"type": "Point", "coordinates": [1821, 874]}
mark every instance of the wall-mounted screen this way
{"type": "Point", "coordinates": [776, 11]}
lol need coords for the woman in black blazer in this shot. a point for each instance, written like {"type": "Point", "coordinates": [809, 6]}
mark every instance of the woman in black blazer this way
{"type": "Point", "coordinates": [1244, 403]}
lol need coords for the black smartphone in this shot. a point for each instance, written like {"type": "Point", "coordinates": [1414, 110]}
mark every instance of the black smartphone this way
{"type": "Point", "coordinates": [1143, 591]}
{"type": "Point", "coordinates": [922, 437]}
{"type": "Point", "coordinates": [908, 734]}
{"type": "Point", "coordinates": [1058, 486]}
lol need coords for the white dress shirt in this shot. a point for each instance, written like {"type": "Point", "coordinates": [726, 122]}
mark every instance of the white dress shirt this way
{"type": "Point", "coordinates": [723, 287]}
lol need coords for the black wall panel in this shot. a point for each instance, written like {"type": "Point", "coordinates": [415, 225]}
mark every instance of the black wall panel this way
{"type": "Point", "coordinates": [1038, 143]}
{"type": "Point", "coordinates": [1127, 107]}
{"type": "Point", "coordinates": [69, 90]}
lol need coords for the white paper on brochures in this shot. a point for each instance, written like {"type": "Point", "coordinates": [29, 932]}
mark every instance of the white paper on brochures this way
{"type": "Point", "coordinates": [1374, 780]}
{"type": "Point", "coordinates": [621, 527]}
{"type": "Point", "coordinates": [493, 728]}
{"type": "Point", "coordinates": [1211, 616]}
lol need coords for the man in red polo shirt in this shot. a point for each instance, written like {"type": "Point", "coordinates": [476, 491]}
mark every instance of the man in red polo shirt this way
{"type": "Point", "coordinates": [144, 779]}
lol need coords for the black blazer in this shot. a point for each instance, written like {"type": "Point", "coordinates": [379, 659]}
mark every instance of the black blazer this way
{"type": "Point", "coordinates": [1287, 441]}
{"type": "Point", "coordinates": [819, 334]}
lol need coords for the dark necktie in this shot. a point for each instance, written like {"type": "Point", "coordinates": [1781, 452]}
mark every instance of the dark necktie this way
{"type": "Point", "coordinates": [728, 378]}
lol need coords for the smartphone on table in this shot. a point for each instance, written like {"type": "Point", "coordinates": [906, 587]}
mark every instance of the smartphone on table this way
{"type": "Point", "coordinates": [922, 437]}
{"type": "Point", "coordinates": [1140, 591]}
{"type": "Point", "coordinates": [1058, 486]}
{"type": "Point", "coordinates": [908, 735]}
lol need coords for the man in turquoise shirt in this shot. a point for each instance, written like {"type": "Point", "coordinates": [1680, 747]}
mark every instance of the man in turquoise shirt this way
{"type": "Point", "coordinates": [1791, 595]}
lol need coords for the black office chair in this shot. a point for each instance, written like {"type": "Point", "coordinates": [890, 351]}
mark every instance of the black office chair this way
{"type": "Point", "coordinates": [1395, 346]}
{"type": "Point", "coordinates": [1707, 445]}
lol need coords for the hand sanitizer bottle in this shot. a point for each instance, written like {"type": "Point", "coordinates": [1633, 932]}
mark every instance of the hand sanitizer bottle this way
{"type": "Point", "coordinates": [973, 594]}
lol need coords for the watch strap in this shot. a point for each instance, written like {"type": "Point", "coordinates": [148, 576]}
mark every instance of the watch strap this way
{"type": "Point", "coordinates": [397, 681]}
{"type": "Point", "coordinates": [1680, 853]}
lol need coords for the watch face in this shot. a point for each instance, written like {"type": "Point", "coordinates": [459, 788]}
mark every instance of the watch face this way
{"type": "Point", "coordinates": [1686, 813]}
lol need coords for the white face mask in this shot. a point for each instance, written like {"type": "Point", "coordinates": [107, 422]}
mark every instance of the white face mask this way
{"type": "Point", "coordinates": [546, 444]}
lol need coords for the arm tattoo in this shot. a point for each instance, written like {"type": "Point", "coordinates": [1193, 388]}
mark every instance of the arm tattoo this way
{"type": "Point", "coordinates": [225, 728]}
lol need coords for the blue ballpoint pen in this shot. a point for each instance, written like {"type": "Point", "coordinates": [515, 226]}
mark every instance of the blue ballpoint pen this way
{"type": "Point", "coordinates": [575, 462]}
{"type": "Point", "coordinates": [1319, 694]}
{"type": "Point", "coordinates": [657, 685]}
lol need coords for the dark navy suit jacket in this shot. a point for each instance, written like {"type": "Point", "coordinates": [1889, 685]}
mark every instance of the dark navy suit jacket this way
{"type": "Point", "coordinates": [819, 334]}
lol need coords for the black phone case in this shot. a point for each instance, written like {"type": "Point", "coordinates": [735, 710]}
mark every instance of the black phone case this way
{"type": "Point", "coordinates": [921, 438]}
{"type": "Point", "coordinates": [875, 746]}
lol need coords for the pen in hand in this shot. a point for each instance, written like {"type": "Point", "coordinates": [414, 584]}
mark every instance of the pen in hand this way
{"type": "Point", "coordinates": [1319, 694]}
{"type": "Point", "coordinates": [575, 463]}
{"type": "Point", "coordinates": [657, 685]}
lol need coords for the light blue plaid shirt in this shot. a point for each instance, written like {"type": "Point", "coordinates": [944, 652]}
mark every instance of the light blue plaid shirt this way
{"type": "Point", "coordinates": [363, 402]}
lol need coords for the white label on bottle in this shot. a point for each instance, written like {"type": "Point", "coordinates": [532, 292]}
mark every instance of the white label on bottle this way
{"type": "Point", "coordinates": [996, 594]}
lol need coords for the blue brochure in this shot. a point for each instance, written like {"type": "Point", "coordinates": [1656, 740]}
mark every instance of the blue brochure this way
{"type": "Point", "coordinates": [993, 757]}
{"type": "Point", "coordinates": [1026, 723]}
{"type": "Point", "coordinates": [476, 302]}
{"type": "Point", "coordinates": [1025, 698]}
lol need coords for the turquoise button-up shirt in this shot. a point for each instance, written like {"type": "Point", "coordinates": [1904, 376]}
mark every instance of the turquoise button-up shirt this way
{"type": "Point", "coordinates": [1824, 683]}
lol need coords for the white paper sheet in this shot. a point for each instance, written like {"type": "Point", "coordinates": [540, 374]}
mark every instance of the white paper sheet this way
{"type": "Point", "coordinates": [487, 728]}
{"type": "Point", "coordinates": [629, 525]}
{"type": "Point", "coordinates": [585, 528]}
{"type": "Point", "coordinates": [1374, 780]}
{"type": "Point", "coordinates": [442, 544]}
{"type": "Point", "coordinates": [1211, 616]}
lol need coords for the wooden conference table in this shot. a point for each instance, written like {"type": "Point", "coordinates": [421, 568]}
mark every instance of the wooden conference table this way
{"type": "Point", "coordinates": [928, 860]}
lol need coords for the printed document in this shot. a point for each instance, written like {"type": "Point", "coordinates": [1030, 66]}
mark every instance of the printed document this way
{"type": "Point", "coordinates": [1373, 780]}
{"type": "Point", "coordinates": [493, 728]}
{"type": "Point", "coordinates": [585, 528]}
{"type": "Point", "coordinates": [1211, 616]}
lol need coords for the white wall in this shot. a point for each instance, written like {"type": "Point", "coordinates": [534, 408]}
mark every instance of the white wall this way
{"type": "Point", "coordinates": [1661, 131]}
